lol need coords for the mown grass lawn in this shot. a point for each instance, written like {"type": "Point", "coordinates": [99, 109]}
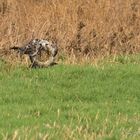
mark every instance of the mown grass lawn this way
{"type": "Point", "coordinates": [70, 102]}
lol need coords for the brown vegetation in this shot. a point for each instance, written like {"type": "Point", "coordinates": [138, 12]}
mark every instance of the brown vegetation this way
{"type": "Point", "coordinates": [83, 29]}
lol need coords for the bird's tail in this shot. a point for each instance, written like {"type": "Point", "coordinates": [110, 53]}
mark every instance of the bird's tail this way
{"type": "Point", "coordinates": [15, 48]}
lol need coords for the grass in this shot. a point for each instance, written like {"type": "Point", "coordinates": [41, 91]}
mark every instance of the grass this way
{"type": "Point", "coordinates": [82, 29]}
{"type": "Point", "coordinates": [70, 102]}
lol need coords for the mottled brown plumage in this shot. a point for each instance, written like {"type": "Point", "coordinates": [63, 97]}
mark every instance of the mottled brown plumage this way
{"type": "Point", "coordinates": [34, 48]}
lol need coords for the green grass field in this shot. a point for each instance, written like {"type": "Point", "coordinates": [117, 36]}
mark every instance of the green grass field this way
{"type": "Point", "coordinates": [70, 103]}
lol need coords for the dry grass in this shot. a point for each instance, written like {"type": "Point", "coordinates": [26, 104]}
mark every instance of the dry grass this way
{"type": "Point", "coordinates": [80, 132]}
{"type": "Point", "coordinates": [83, 29]}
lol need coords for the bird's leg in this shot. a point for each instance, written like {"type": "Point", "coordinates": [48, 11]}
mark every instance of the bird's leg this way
{"type": "Point", "coordinates": [32, 59]}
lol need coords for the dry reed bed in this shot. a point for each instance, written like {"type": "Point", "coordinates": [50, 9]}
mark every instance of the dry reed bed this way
{"type": "Point", "coordinates": [91, 28]}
